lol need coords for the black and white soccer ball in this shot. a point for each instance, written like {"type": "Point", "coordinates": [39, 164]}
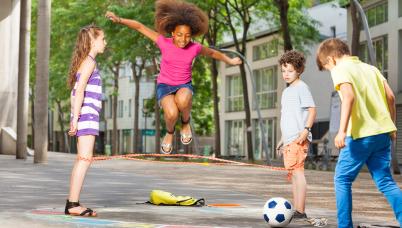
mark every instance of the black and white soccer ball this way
{"type": "Point", "coordinates": [278, 212]}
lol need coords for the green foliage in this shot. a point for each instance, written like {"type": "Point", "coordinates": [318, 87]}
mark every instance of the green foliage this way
{"type": "Point", "coordinates": [302, 28]}
{"type": "Point", "coordinates": [124, 44]}
{"type": "Point", "coordinates": [202, 112]}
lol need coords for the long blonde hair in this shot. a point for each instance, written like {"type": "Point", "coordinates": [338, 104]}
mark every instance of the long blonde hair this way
{"type": "Point", "coordinates": [81, 50]}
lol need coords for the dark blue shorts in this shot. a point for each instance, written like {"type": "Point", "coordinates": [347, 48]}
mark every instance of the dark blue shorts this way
{"type": "Point", "coordinates": [163, 90]}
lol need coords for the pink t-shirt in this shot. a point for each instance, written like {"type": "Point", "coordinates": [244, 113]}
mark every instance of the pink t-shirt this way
{"type": "Point", "coordinates": [176, 63]}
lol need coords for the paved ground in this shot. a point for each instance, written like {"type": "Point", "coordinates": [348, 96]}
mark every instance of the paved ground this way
{"type": "Point", "coordinates": [33, 195]}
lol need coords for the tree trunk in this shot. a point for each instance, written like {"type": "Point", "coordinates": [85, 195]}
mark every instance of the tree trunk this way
{"type": "Point", "coordinates": [214, 72]}
{"type": "Point", "coordinates": [32, 98]}
{"type": "Point", "coordinates": [137, 77]}
{"type": "Point", "coordinates": [356, 25]}
{"type": "Point", "coordinates": [42, 82]}
{"type": "Point", "coordinates": [212, 37]}
{"type": "Point", "coordinates": [23, 79]}
{"type": "Point", "coordinates": [283, 6]}
{"type": "Point", "coordinates": [157, 115]}
{"type": "Point", "coordinates": [249, 138]}
{"type": "Point", "coordinates": [64, 139]}
{"type": "Point", "coordinates": [115, 144]}
{"type": "Point", "coordinates": [136, 107]}
{"type": "Point", "coordinates": [241, 48]}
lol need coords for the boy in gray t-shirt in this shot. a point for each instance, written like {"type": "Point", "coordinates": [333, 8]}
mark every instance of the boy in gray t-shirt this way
{"type": "Point", "coordinates": [297, 117]}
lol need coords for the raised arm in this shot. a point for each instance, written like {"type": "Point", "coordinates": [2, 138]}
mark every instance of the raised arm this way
{"type": "Point", "coordinates": [220, 56]}
{"type": "Point", "coordinates": [133, 24]}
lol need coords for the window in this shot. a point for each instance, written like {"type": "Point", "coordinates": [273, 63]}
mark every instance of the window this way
{"type": "Point", "coordinates": [400, 8]}
{"type": "Point", "coordinates": [270, 133]}
{"type": "Point", "coordinates": [377, 14]}
{"type": "Point", "coordinates": [234, 94]}
{"type": "Point", "coordinates": [120, 109]}
{"type": "Point", "coordinates": [266, 86]}
{"type": "Point", "coordinates": [236, 138]}
{"type": "Point", "coordinates": [265, 50]}
{"type": "Point", "coordinates": [381, 52]}
{"type": "Point", "coordinates": [129, 107]}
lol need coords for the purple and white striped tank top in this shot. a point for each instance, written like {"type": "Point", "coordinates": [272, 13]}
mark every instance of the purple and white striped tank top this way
{"type": "Point", "coordinates": [88, 121]}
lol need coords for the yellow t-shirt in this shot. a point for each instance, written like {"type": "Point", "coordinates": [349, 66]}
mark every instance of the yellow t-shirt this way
{"type": "Point", "coordinates": [370, 115]}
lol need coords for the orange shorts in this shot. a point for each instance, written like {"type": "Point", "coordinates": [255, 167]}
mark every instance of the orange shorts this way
{"type": "Point", "coordinates": [294, 156]}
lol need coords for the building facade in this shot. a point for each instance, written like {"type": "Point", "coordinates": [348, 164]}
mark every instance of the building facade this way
{"type": "Point", "coordinates": [385, 24]}
{"type": "Point", "coordinates": [125, 113]}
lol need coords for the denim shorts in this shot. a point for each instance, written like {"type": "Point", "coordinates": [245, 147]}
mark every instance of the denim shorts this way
{"type": "Point", "coordinates": [163, 90]}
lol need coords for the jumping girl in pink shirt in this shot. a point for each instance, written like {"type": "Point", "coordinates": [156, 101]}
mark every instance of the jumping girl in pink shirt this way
{"type": "Point", "coordinates": [182, 21]}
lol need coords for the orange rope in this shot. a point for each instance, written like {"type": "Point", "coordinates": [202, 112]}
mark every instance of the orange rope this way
{"type": "Point", "coordinates": [193, 156]}
{"type": "Point", "coordinates": [84, 159]}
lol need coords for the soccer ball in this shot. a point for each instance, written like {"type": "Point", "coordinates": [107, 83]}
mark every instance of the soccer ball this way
{"type": "Point", "coordinates": [278, 212]}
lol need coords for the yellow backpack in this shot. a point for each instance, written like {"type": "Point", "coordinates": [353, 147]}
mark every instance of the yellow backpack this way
{"type": "Point", "coordinates": [159, 197]}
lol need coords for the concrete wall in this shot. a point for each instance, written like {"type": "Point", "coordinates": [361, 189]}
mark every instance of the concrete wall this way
{"type": "Point", "coordinates": [9, 45]}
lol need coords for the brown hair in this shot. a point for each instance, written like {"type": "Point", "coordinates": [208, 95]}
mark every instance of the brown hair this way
{"type": "Point", "coordinates": [294, 58]}
{"type": "Point", "coordinates": [81, 50]}
{"type": "Point", "coordinates": [171, 13]}
{"type": "Point", "coordinates": [333, 47]}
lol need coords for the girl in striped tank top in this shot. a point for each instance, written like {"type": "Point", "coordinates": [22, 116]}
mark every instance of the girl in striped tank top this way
{"type": "Point", "coordinates": [86, 84]}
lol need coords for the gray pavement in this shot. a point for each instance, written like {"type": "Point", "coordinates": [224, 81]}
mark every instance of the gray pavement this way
{"type": "Point", "coordinates": [33, 195]}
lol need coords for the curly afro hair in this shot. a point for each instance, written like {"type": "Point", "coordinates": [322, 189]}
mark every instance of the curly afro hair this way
{"type": "Point", "coordinates": [171, 13]}
{"type": "Point", "coordinates": [294, 58]}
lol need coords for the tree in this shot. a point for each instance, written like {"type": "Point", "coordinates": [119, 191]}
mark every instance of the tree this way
{"type": "Point", "coordinates": [356, 25]}
{"type": "Point", "coordinates": [238, 14]}
{"type": "Point", "coordinates": [42, 82]}
{"type": "Point", "coordinates": [298, 29]}
{"type": "Point", "coordinates": [139, 55]}
{"type": "Point", "coordinates": [283, 6]}
{"type": "Point", "coordinates": [69, 14]}
{"type": "Point", "coordinates": [216, 28]}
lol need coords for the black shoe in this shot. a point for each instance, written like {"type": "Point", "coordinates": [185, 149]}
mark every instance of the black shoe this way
{"type": "Point", "coordinates": [299, 215]}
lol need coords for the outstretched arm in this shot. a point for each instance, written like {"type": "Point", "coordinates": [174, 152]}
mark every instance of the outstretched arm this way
{"type": "Point", "coordinates": [133, 24]}
{"type": "Point", "coordinates": [220, 56]}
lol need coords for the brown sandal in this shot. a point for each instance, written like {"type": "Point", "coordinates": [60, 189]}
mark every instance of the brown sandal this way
{"type": "Point", "coordinates": [86, 213]}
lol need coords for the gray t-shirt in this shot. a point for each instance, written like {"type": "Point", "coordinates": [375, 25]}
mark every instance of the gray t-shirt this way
{"type": "Point", "coordinates": [296, 99]}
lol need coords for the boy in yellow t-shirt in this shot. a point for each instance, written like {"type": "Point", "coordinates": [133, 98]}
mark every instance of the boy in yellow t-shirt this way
{"type": "Point", "coordinates": [366, 127]}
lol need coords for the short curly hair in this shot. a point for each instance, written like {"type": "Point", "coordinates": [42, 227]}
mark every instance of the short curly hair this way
{"type": "Point", "coordinates": [294, 58]}
{"type": "Point", "coordinates": [171, 13]}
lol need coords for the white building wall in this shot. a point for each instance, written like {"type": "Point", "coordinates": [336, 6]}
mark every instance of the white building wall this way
{"type": "Point", "coordinates": [9, 46]}
{"type": "Point", "coordinates": [392, 28]}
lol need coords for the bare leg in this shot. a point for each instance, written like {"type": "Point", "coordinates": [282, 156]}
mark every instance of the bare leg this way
{"type": "Point", "coordinates": [301, 188]}
{"type": "Point", "coordinates": [183, 99]}
{"type": "Point", "coordinates": [85, 147]}
{"type": "Point", "coordinates": [294, 191]}
{"type": "Point", "coordinates": [171, 113]}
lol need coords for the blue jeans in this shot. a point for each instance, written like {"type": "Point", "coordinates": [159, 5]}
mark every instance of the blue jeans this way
{"type": "Point", "coordinates": [375, 152]}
